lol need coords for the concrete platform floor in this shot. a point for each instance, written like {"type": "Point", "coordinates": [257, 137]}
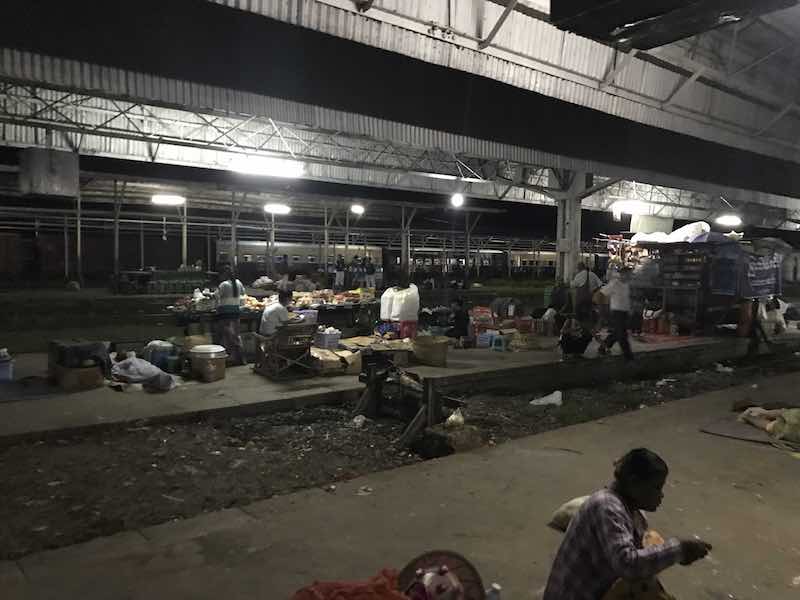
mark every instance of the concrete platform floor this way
{"type": "Point", "coordinates": [30, 406]}
{"type": "Point", "coordinates": [491, 505]}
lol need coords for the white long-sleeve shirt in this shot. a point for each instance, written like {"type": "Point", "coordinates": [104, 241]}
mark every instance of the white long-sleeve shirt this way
{"type": "Point", "coordinates": [619, 294]}
{"type": "Point", "coordinates": [275, 315]}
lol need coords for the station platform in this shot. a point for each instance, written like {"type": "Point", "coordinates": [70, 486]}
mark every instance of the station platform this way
{"type": "Point", "coordinates": [29, 408]}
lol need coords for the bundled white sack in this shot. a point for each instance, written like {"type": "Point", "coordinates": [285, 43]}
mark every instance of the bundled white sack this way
{"type": "Point", "coordinates": [688, 232]}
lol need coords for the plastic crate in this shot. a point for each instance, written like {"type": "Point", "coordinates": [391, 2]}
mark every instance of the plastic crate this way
{"type": "Point", "coordinates": [327, 341]}
{"type": "Point", "coordinates": [484, 340]}
{"type": "Point", "coordinates": [310, 317]}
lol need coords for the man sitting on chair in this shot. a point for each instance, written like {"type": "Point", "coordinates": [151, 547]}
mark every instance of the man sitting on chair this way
{"type": "Point", "coordinates": [275, 315]}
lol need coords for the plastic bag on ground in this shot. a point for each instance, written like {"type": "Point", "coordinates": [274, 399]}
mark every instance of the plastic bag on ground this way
{"type": "Point", "coordinates": [554, 399]}
{"type": "Point", "coordinates": [138, 370]}
{"type": "Point", "coordinates": [455, 420]}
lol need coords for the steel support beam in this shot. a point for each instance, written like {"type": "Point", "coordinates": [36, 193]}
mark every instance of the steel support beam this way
{"type": "Point", "coordinates": [683, 85]}
{"type": "Point", "coordinates": [117, 208]}
{"type": "Point", "coordinates": [185, 235]}
{"type": "Point", "coordinates": [78, 241]}
{"type": "Point", "coordinates": [141, 245]}
{"type": "Point", "coordinates": [66, 249]}
{"type": "Point", "coordinates": [485, 43]}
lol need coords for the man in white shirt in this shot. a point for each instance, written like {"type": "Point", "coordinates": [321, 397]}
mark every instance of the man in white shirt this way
{"type": "Point", "coordinates": [618, 290]}
{"type": "Point", "coordinates": [275, 315]}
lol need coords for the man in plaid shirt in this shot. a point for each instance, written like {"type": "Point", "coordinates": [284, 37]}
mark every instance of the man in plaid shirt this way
{"type": "Point", "coordinates": [604, 541]}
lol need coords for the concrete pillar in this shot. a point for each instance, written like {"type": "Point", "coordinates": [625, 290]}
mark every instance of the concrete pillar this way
{"type": "Point", "coordinates": [568, 232]}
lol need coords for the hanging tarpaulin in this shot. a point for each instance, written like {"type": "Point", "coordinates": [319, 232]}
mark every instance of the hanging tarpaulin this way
{"type": "Point", "coordinates": [762, 275]}
{"type": "Point", "coordinates": [725, 269]}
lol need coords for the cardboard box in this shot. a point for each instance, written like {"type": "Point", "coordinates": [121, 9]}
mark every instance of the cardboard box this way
{"type": "Point", "coordinates": [77, 380]}
{"type": "Point", "coordinates": [337, 362]}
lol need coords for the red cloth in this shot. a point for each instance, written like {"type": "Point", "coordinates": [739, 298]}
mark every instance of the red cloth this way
{"type": "Point", "coordinates": [380, 587]}
{"type": "Point", "coordinates": [408, 329]}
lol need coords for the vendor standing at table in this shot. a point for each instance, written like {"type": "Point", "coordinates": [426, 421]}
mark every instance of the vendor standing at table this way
{"type": "Point", "coordinates": [369, 273]}
{"type": "Point", "coordinates": [275, 315]}
{"type": "Point", "coordinates": [459, 319]}
{"type": "Point", "coordinates": [229, 296]}
{"type": "Point", "coordinates": [618, 290]}
{"type": "Point", "coordinates": [338, 282]}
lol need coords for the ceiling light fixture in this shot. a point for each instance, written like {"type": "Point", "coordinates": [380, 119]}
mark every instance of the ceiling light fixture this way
{"type": "Point", "coordinates": [357, 209]}
{"type": "Point", "coordinates": [729, 220]}
{"type": "Point", "coordinates": [457, 200]}
{"type": "Point", "coordinates": [277, 209]}
{"type": "Point", "coordinates": [629, 207]}
{"type": "Point", "coordinates": [268, 166]}
{"type": "Point", "coordinates": [168, 200]}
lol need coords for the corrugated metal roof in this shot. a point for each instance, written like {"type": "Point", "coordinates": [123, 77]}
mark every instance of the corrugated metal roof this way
{"type": "Point", "coordinates": [532, 54]}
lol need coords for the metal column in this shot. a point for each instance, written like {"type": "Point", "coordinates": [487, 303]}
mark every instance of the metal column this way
{"type": "Point", "coordinates": [272, 246]}
{"type": "Point", "coordinates": [66, 249]}
{"type": "Point", "coordinates": [117, 208]}
{"type": "Point", "coordinates": [327, 244]}
{"type": "Point", "coordinates": [346, 234]}
{"type": "Point", "coordinates": [208, 248]}
{"type": "Point", "coordinates": [467, 240]}
{"type": "Point", "coordinates": [78, 243]}
{"type": "Point", "coordinates": [185, 235]}
{"type": "Point", "coordinates": [233, 254]}
{"type": "Point", "coordinates": [404, 250]}
{"type": "Point", "coordinates": [141, 245]}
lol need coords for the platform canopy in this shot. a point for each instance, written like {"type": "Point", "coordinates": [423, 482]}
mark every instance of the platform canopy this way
{"type": "Point", "coordinates": [483, 98]}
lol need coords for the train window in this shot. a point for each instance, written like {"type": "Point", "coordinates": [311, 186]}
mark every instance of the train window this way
{"type": "Point", "coordinates": [312, 259]}
{"type": "Point", "coordinates": [248, 258]}
{"type": "Point", "coordinates": [295, 259]}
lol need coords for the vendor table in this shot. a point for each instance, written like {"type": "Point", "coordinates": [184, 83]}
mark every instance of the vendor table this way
{"type": "Point", "coordinates": [351, 319]}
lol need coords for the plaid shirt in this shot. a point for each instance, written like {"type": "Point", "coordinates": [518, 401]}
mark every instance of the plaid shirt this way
{"type": "Point", "coordinates": [604, 543]}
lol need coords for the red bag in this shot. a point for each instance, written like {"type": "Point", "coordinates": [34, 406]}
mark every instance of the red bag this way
{"type": "Point", "coordinates": [380, 587]}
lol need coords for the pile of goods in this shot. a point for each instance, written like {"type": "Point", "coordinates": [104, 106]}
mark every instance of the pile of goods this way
{"type": "Point", "coordinates": [263, 283]}
{"type": "Point", "coordinates": [254, 304]}
{"type": "Point", "coordinates": [204, 301]}
{"type": "Point", "coordinates": [329, 297]}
